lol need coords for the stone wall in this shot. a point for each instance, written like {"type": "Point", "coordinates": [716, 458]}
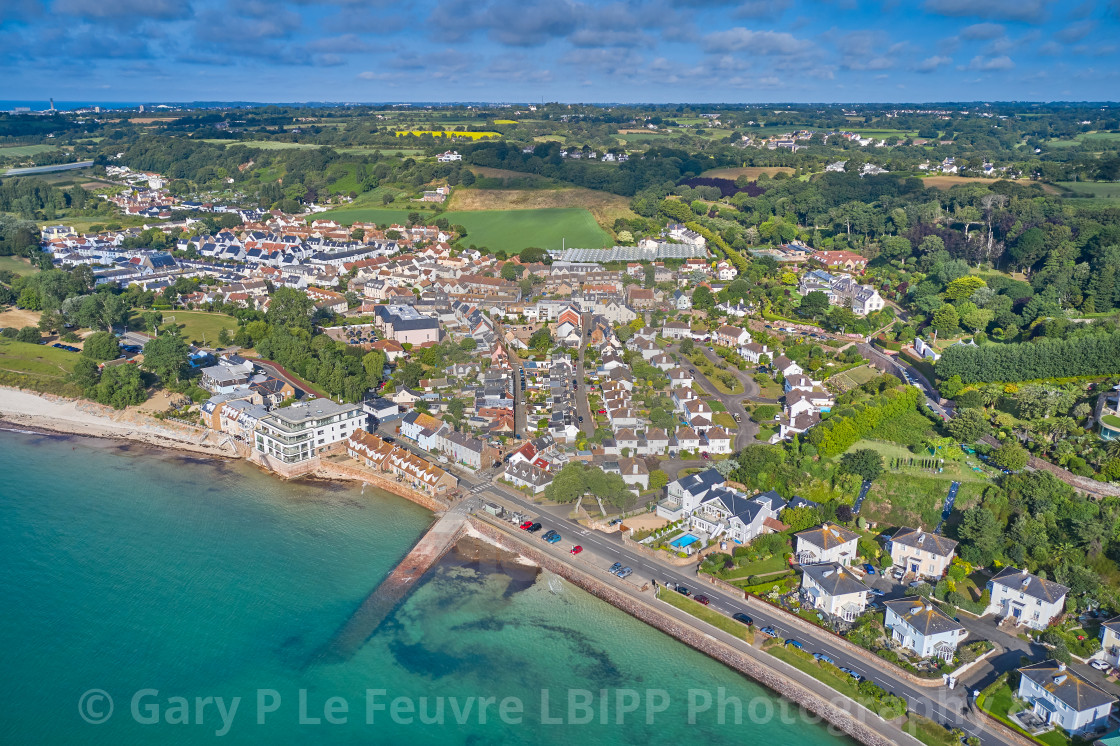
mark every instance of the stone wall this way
{"type": "Point", "coordinates": [841, 718]}
{"type": "Point", "coordinates": [332, 469]}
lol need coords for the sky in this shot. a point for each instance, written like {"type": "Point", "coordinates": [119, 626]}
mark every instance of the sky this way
{"type": "Point", "coordinates": [654, 51]}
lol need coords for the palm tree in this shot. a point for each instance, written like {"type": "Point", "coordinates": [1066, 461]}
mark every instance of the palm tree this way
{"type": "Point", "coordinates": [1112, 448]}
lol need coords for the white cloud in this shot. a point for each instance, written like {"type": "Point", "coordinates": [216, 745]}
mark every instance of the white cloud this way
{"type": "Point", "coordinates": [1003, 62]}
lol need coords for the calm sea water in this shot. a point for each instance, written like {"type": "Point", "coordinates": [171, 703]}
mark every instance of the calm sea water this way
{"type": "Point", "coordinates": [132, 571]}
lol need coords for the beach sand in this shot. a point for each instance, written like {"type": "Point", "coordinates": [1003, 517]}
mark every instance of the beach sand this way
{"type": "Point", "coordinates": [56, 414]}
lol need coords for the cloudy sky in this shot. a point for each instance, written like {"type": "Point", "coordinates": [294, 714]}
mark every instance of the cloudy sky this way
{"type": "Point", "coordinates": [559, 50]}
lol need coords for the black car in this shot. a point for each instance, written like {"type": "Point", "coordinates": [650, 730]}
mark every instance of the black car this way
{"type": "Point", "coordinates": [548, 533]}
{"type": "Point", "coordinates": [740, 617]}
{"type": "Point", "coordinates": [683, 591]}
{"type": "Point", "coordinates": [535, 528]}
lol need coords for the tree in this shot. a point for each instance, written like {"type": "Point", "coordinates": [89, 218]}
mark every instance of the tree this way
{"type": "Point", "coordinates": [864, 462]}
{"type": "Point", "coordinates": [844, 513]}
{"type": "Point", "coordinates": [119, 387]}
{"type": "Point", "coordinates": [703, 299]}
{"type": "Point", "coordinates": [980, 534]}
{"type": "Point", "coordinates": [373, 362]}
{"type": "Point", "coordinates": [290, 308]}
{"type": "Point", "coordinates": [511, 271]}
{"type": "Point", "coordinates": [86, 374]}
{"type": "Point", "coordinates": [101, 346]}
{"type": "Point", "coordinates": [28, 334]}
{"type": "Point", "coordinates": [963, 287]}
{"type": "Point", "coordinates": [968, 425]}
{"type": "Point", "coordinates": [658, 479]}
{"type": "Point", "coordinates": [799, 519]}
{"type": "Point", "coordinates": [946, 320]}
{"type": "Point", "coordinates": [687, 346]}
{"type": "Point", "coordinates": [567, 485]}
{"type": "Point", "coordinates": [541, 339]}
{"type": "Point", "coordinates": [813, 304]}
{"type": "Point", "coordinates": [165, 356]}
{"type": "Point", "coordinates": [1010, 456]}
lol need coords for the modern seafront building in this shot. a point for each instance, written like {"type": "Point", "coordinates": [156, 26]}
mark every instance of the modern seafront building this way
{"type": "Point", "coordinates": [299, 433]}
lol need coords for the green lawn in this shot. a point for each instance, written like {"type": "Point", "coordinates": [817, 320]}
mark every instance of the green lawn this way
{"type": "Point", "coordinates": [726, 421]}
{"type": "Point", "coordinates": [830, 675]}
{"type": "Point", "coordinates": [849, 379]}
{"type": "Point", "coordinates": [18, 265]}
{"type": "Point", "coordinates": [381, 216]}
{"type": "Point", "coordinates": [929, 732]}
{"type": "Point", "coordinates": [703, 613]}
{"type": "Point", "coordinates": [199, 327]}
{"type": "Point", "coordinates": [36, 360]}
{"type": "Point", "coordinates": [909, 500]}
{"type": "Point", "coordinates": [264, 144]}
{"type": "Point", "coordinates": [777, 563]}
{"type": "Point", "coordinates": [998, 702]}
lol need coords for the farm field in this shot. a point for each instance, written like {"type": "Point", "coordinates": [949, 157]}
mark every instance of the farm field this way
{"type": "Point", "coordinates": [605, 207]}
{"type": "Point", "coordinates": [751, 172]}
{"type": "Point", "coordinates": [351, 215]}
{"type": "Point", "coordinates": [17, 264]}
{"type": "Point", "coordinates": [199, 327]}
{"type": "Point", "coordinates": [1103, 191]}
{"type": "Point", "coordinates": [16, 151]}
{"type": "Point", "coordinates": [450, 134]}
{"type": "Point", "coordinates": [371, 149]}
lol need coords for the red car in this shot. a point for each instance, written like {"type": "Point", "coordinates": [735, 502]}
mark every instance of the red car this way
{"type": "Point", "coordinates": [576, 549]}
{"type": "Point", "coordinates": [704, 454]}
{"type": "Point", "coordinates": [602, 411]}
{"type": "Point", "coordinates": [526, 525]}
{"type": "Point", "coordinates": [701, 600]}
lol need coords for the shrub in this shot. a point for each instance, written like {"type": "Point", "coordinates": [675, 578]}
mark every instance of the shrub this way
{"type": "Point", "coordinates": [29, 334]}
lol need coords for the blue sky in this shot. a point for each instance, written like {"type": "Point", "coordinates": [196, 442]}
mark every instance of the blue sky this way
{"type": "Point", "coordinates": [560, 50]}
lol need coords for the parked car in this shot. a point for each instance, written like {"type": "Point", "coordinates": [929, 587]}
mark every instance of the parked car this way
{"type": "Point", "coordinates": [548, 534]}
{"type": "Point", "coordinates": [553, 539]}
{"type": "Point", "coordinates": [876, 592]}
{"type": "Point", "coordinates": [535, 528]}
{"type": "Point", "coordinates": [525, 526]}
{"type": "Point", "coordinates": [869, 568]}
{"type": "Point", "coordinates": [1100, 665]}
{"type": "Point", "coordinates": [704, 454]}
{"type": "Point", "coordinates": [615, 568]}
{"type": "Point", "coordinates": [625, 572]}
{"type": "Point", "coordinates": [824, 658]}
{"type": "Point", "coordinates": [701, 599]}
{"type": "Point", "coordinates": [853, 674]}
{"type": "Point", "coordinates": [576, 549]}
{"type": "Point", "coordinates": [793, 643]}
{"type": "Point", "coordinates": [770, 631]}
{"type": "Point", "coordinates": [683, 591]}
{"type": "Point", "coordinates": [740, 617]}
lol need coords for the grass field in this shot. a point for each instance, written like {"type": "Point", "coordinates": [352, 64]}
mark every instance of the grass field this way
{"type": "Point", "coordinates": [17, 151]}
{"type": "Point", "coordinates": [199, 327]}
{"type": "Point", "coordinates": [17, 264]}
{"type": "Point", "coordinates": [605, 207]}
{"type": "Point", "coordinates": [929, 732]}
{"type": "Point", "coordinates": [849, 379]}
{"type": "Point", "coordinates": [829, 675]}
{"type": "Point", "coordinates": [36, 360]}
{"type": "Point", "coordinates": [751, 172]}
{"type": "Point", "coordinates": [1098, 191]}
{"type": "Point", "coordinates": [450, 134]}
{"type": "Point", "coordinates": [505, 121]}
{"type": "Point", "coordinates": [909, 500]}
{"type": "Point", "coordinates": [370, 149]}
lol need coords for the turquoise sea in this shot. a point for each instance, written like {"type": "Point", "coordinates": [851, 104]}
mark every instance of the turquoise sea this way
{"type": "Point", "coordinates": [175, 585]}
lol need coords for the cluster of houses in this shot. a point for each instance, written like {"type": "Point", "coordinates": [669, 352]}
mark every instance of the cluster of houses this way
{"type": "Point", "coordinates": [833, 582]}
{"type": "Point", "coordinates": [842, 290]}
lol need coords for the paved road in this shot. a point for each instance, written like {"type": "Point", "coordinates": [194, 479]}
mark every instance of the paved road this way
{"type": "Point", "coordinates": [733, 403]}
{"type": "Point", "coordinates": [583, 408]}
{"type": "Point", "coordinates": [948, 508]}
{"type": "Point", "coordinates": [938, 703]}
{"type": "Point", "coordinates": [901, 368]}
{"type": "Point", "coordinates": [862, 494]}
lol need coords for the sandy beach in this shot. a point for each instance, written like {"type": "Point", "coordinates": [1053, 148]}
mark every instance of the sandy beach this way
{"type": "Point", "coordinates": [55, 414]}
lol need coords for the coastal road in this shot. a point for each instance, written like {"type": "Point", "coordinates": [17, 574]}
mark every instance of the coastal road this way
{"type": "Point", "coordinates": [937, 703]}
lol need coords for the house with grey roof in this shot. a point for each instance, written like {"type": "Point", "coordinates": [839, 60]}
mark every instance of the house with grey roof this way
{"type": "Point", "coordinates": [728, 513]}
{"type": "Point", "coordinates": [528, 476]}
{"type": "Point", "coordinates": [1026, 598]}
{"type": "Point", "coordinates": [826, 543]}
{"type": "Point", "coordinates": [1061, 698]}
{"type": "Point", "coordinates": [834, 589]}
{"type": "Point", "coordinates": [919, 626]}
{"type": "Point", "coordinates": [921, 553]}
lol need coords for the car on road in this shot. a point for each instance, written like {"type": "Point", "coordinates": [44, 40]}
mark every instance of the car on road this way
{"type": "Point", "coordinates": [1099, 665]}
{"type": "Point", "coordinates": [615, 568]}
{"type": "Point", "coordinates": [581, 419]}
{"type": "Point", "coordinates": [625, 572]}
{"type": "Point", "coordinates": [853, 674]}
{"type": "Point", "coordinates": [824, 658]}
{"type": "Point", "coordinates": [769, 631]}
{"type": "Point", "coordinates": [701, 599]}
{"type": "Point", "coordinates": [793, 643]}
{"type": "Point", "coordinates": [741, 617]}
{"type": "Point", "coordinates": [869, 568]}
{"type": "Point", "coordinates": [526, 525]}
{"type": "Point", "coordinates": [555, 538]}
{"type": "Point", "coordinates": [683, 591]}
{"type": "Point", "coordinates": [601, 411]}
{"type": "Point", "coordinates": [576, 549]}
{"type": "Point", "coordinates": [737, 418]}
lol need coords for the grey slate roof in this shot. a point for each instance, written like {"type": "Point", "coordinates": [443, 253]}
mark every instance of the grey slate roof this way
{"type": "Point", "coordinates": [1032, 585]}
{"type": "Point", "coordinates": [919, 539]}
{"type": "Point", "coordinates": [922, 615]}
{"type": "Point", "coordinates": [1066, 686]}
{"type": "Point", "coordinates": [834, 578]}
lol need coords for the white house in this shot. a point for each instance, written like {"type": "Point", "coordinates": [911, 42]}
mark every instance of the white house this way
{"type": "Point", "coordinates": [826, 543]}
{"type": "Point", "coordinates": [1062, 698]}
{"type": "Point", "coordinates": [634, 472]}
{"type": "Point", "coordinates": [921, 553]}
{"type": "Point", "coordinates": [785, 366]}
{"type": "Point", "coordinates": [526, 475]}
{"type": "Point", "coordinates": [917, 625]}
{"type": "Point", "coordinates": [1110, 642]}
{"type": "Point", "coordinates": [726, 512]}
{"type": "Point", "coordinates": [834, 589]}
{"type": "Point", "coordinates": [1026, 598]}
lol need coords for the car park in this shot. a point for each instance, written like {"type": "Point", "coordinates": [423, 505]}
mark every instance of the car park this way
{"type": "Point", "coordinates": [741, 617]}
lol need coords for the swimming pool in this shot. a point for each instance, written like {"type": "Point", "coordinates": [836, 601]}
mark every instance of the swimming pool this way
{"type": "Point", "coordinates": [683, 541]}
